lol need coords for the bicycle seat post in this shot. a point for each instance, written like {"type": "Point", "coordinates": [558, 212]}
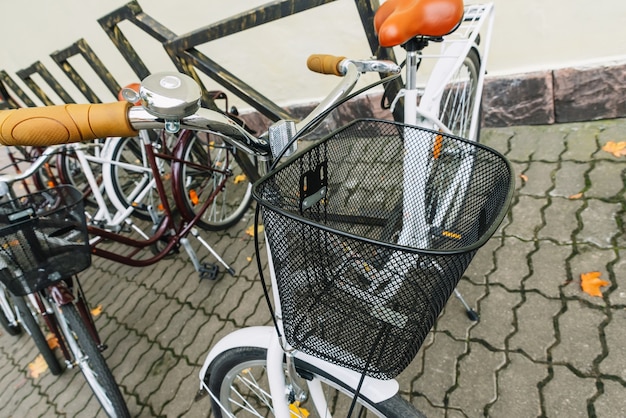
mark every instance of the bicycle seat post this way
{"type": "Point", "coordinates": [413, 49]}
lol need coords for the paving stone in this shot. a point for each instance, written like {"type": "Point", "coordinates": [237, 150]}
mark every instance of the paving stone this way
{"type": "Point", "coordinates": [518, 394]}
{"type": "Point", "coordinates": [566, 395]}
{"type": "Point", "coordinates": [560, 220]}
{"type": "Point", "coordinates": [211, 331]}
{"type": "Point", "coordinates": [526, 215]}
{"type": "Point", "coordinates": [612, 403]}
{"type": "Point", "coordinates": [440, 364]}
{"type": "Point", "coordinates": [496, 317]}
{"type": "Point", "coordinates": [579, 337]}
{"type": "Point", "coordinates": [512, 263]}
{"type": "Point", "coordinates": [179, 396]}
{"type": "Point", "coordinates": [538, 179]}
{"type": "Point", "coordinates": [569, 179]}
{"type": "Point", "coordinates": [454, 319]}
{"type": "Point", "coordinates": [518, 169]}
{"type": "Point", "coordinates": [551, 142]}
{"type": "Point", "coordinates": [141, 379]}
{"type": "Point", "coordinates": [549, 269]}
{"type": "Point", "coordinates": [497, 139]}
{"type": "Point", "coordinates": [476, 382]}
{"type": "Point", "coordinates": [185, 334]}
{"type": "Point", "coordinates": [243, 297]}
{"type": "Point", "coordinates": [617, 295]}
{"type": "Point", "coordinates": [610, 130]}
{"type": "Point", "coordinates": [606, 180]}
{"type": "Point", "coordinates": [599, 223]}
{"type": "Point", "coordinates": [535, 332]}
{"type": "Point", "coordinates": [483, 262]}
{"type": "Point", "coordinates": [615, 362]}
{"type": "Point", "coordinates": [581, 142]}
{"type": "Point", "coordinates": [159, 316]}
{"type": "Point", "coordinates": [173, 324]}
{"type": "Point", "coordinates": [589, 259]}
{"type": "Point", "coordinates": [430, 411]}
{"type": "Point", "coordinates": [537, 143]}
{"type": "Point", "coordinates": [132, 357]}
{"type": "Point", "coordinates": [163, 379]}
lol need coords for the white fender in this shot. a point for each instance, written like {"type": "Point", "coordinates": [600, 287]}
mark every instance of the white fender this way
{"type": "Point", "coordinates": [373, 389]}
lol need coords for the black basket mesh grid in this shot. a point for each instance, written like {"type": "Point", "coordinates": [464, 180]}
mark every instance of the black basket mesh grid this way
{"type": "Point", "coordinates": [43, 239]}
{"type": "Point", "coordinates": [350, 293]}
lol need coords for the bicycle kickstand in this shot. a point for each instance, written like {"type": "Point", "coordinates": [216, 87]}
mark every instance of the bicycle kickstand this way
{"type": "Point", "coordinates": [471, 314]}
{"type": "Point", "coordinates": [206, 270]}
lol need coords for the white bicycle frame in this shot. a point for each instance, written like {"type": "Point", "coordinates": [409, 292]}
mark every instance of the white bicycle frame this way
{"type": "Point", "coordinates": [454, 51]}
{"type": "Point", "coordinates": [102, 156]}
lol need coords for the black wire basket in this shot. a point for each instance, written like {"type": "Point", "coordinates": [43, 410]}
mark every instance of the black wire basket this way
{"type": "Point", "coordinates": [370, 230]}
{"type": "Point", "coordinates": [43, 239]}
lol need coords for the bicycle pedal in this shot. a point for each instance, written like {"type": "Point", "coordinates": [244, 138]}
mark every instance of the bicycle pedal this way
{"type": "Point", "coordinates": [208, 271]}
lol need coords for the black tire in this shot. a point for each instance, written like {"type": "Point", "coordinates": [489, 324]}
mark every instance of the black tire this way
{"type": "Point", "coordinates": [27, 318]}
{"type": "Point", "coordinates": [90, 360]}
{"type": "Point", "coordinates": [210, 167]}
{"type": "Point", "coordinates": [248, 363]}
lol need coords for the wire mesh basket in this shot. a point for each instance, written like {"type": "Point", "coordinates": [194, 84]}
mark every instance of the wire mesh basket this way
{"type": "Point", "coordinates": [370, 230]}
{"type": "Point", "coordinates": [43, 239]}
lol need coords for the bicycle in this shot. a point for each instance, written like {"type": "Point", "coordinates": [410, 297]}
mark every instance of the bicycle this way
{"type": "Point", "coordinates": [126, 176]}
{"type": "Point", "coordinates": [43, 245]}
{"type": "Point", "coordinates": [362, 246]}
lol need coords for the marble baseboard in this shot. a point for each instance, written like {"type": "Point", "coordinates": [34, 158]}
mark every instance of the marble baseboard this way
{"type": "Point", "coordinates": [538, 98]}
{"type": "Point", "coordinates": [556, 96]}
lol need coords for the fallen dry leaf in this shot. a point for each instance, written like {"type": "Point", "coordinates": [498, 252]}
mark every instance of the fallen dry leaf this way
{"type": "Point", "coordinates": [238, 179]}
{"type": "Point", "coordinates": [618, 149]}
{"type": "Point", "coordinates": [37, 367]}
{"type": "Point", "coordinates": [524, 177]}
{"type": "Point", "coordinates": [96, 311]}
{"type": "Point", "coordinates": [250, 230]}
{"type": "Point", "coordinates": [576, 196]}
{"type": "Point", "coordinates": [52, 340]}
{"type": "Point", "coordinates": [591, 283]}
{"type": "Point", "coordinates": [249, 259]}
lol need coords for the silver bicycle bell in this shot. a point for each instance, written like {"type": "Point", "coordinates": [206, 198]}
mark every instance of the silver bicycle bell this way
{"type": "Point", "coordinates": [171, 96]}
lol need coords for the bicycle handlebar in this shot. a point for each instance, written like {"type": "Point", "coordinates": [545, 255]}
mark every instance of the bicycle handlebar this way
{"type": "Point", "coordinates": [53, 125]}
{"type": "Point", "coordinates": [169, 101]}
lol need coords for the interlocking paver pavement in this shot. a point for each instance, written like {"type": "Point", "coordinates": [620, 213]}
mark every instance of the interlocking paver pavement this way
{"type": "Point", "coordinates": [541, 348]}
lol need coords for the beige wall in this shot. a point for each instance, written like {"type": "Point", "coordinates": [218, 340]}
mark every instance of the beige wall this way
{"type": "Point", "coordinates": [529, 35]}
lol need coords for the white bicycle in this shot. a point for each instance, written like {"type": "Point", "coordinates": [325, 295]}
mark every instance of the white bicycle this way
{"type": "Point", "coordinates": [361, 264]}
{"type": "Point", "coordinates": [368, 232]}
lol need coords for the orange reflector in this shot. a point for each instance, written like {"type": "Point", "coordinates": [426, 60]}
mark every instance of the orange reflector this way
{"type": "Point", "coordinates": [437, 146]}
{"type": "Point", "coordinates": [193, 196]}
{"type": "Point", "coordinates": [449, 234]}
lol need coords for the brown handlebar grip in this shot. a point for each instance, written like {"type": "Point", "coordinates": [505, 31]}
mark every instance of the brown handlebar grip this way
{"type": "Point", "coordinates": [325, 64]}
{"type": "Point", "coordinates": [62, 124]}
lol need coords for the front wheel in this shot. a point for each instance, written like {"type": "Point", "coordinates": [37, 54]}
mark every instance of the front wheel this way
{"type": "Point", "coordinates": [88, 357]}
{"type": "Point", "coordinates": [238, 380]}
{"type": "Point", "coordinates": [29, 319]}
